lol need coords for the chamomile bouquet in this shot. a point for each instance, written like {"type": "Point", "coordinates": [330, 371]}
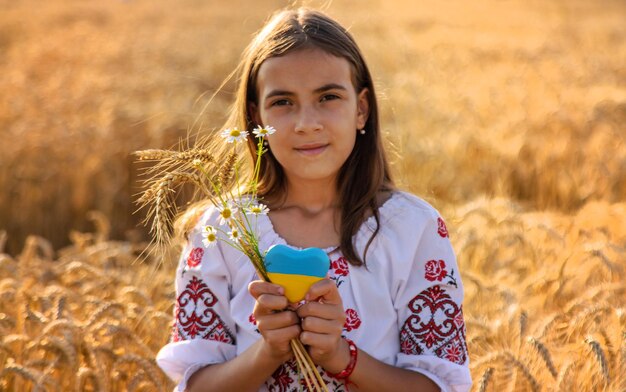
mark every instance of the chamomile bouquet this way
{"type": "Point", "coordinates": [218, 180]}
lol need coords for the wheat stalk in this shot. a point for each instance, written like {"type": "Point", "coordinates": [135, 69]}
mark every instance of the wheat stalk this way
{"type": "Point", "coordinates": [621, 366]}
{"type": "Point", "coordinates": [103, 226]}
{"type": "Point", "coordinates": [99, 369]}
{"type": "Point", "coordinates": [3, 240]}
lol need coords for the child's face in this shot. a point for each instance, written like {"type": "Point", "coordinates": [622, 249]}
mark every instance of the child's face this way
{"type": "Point", "coordinates": [309, 97]}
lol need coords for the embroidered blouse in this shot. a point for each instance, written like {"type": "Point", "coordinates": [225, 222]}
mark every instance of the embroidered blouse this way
{"type": "Point", "coordinates": [405, 309]}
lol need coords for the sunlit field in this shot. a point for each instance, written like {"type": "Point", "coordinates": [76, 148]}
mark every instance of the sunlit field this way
{"type": "Point", "coordinates": [507, 116]}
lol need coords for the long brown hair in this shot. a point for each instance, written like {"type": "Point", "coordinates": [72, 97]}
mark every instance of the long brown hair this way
{"type": "Point", "coordinates": [365, 174]}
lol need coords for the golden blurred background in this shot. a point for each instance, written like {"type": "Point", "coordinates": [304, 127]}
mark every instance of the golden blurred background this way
{"type": "Point", "coordinates": [509, 116]}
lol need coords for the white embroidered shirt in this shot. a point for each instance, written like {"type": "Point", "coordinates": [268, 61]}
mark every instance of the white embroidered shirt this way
{"type": "Point", "coordinates": [405, 309]}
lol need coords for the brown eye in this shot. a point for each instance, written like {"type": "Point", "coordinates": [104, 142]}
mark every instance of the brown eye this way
{"type": "Point", "coordinates": [329, 97]}
{"type": "Point", "coordinates": [280, 102]}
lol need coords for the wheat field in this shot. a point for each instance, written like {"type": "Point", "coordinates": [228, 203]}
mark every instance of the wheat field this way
{"type": "Point", "coordinates": [508, 116]}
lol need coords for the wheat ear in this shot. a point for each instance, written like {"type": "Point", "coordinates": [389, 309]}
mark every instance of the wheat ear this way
{"type": "Point", "coordinates": [53, 343]}
{"type": "Point", "coordinates": [227, 170]}
{"type": "Point", "coordinates": [154, 154]}
{"type": "Point", "coordinates": [596, 348]}
{"type": "Point", "coordinates": [562, 382]}
{"type": "Point", "coordinates": [59, 306]}
{"type": "Point", "coordinates": [609, 348]}
{"type": "Point", "coordinates": [544, 353]}
{"type": "Point", "coordinates": [98, 313]}
{"type": "Point", "coordinates": [83, 375]}
{"type": "Point", "coordinates": [484, 380]}
{"type": "Point", "coordinates": [144, 364]}
{"type": "Point", "coordinates": [507, 357]}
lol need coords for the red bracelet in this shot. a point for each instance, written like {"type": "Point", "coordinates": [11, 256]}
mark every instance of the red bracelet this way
{"type": "Point", "coordinates": [345, 373]}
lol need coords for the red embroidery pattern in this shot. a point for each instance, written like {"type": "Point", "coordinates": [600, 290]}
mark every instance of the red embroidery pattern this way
{"type": "Point", "coordinates": [339, 270]}
{"type": "Point", "coordinates": [281, 380]}
{"type": "Point", "coordinates": [442, 229]}
{"type": "Point", "coordinates": [287, 379]}
{"type": "Point", "coordinates": [436, 325]}
{"type": "Point", "coordinates": [195, 316]}
{"type": "Point", "coordinates": [340, 266]}
{"type": "Point", "coordinates": [195, 257]}
{"type": "Point", "coordinates": [252, 321]}
{"type": "Point", "coordinates": [352, 320]}
{"type": "Point", "coordinates": [435, 270]}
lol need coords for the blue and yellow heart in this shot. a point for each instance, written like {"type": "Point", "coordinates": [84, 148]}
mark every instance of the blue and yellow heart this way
{"type": "Point", "coordinates": [296, 270]}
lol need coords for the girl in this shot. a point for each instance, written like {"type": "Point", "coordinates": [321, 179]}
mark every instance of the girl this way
{"type": "Point", "coordinates": [389, 315]}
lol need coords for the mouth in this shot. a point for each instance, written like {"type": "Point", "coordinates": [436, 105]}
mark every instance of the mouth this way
{"type": "Point", "coordinates": [311, 149]}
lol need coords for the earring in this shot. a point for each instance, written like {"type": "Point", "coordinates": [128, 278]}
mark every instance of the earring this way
{"type": "Point", "coordinates": [266, 143]}
{"type": "Point", "coordinates": [362, 131]}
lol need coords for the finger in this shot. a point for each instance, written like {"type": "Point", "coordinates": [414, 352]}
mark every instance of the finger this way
{"type": "Point", "coordinates": [324, 311]}
{"type": "Point", "coordinates": [319, 341]}
{"type": "Point", "coordinates": [323, 326]}
{"type": "Point", "coordinates": [277, 320]}
{"type": "Point", "coordinates": [258, 287]}
{"type": "Point", "coordinates": [282, 336]}
{"type": "Point", "coordinates": [326, 290]}
{"type": "Point", "coordinates": [268, 304]}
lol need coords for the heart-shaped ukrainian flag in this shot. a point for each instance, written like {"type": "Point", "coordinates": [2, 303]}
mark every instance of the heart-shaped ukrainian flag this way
{"type": "Point", "coordinates": [296, 270]}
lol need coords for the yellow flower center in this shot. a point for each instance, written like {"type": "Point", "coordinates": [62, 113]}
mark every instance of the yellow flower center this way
{"type": "Point", "coordinates": [256, 210]}
{"type": "Point", "coordinates": [226, 213]}
{"type": "Point", "coordinates": [211, 237]}
{"type": "Point", "coordinates": [235, 234]}
{"type": "Point", "coordinates": [235, 132]}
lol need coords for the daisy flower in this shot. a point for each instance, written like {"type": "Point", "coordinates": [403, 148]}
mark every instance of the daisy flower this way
{"type": "Point", "coordinates": [234, 235]}
{"type": "Point", "coordinates": [258, 209]}
{"type": "Point", "coordinates": [227, 213]}
{"type": "Point", "coordinates": [234, 135]}
{"type": "Point", "coordinates": [261, 132]}
{"type": "Point", "coordinates": [209, 236]}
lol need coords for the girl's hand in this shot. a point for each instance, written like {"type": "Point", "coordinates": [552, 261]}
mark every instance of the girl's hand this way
{"type": "Point", "coordinates": [277, 325]}
{"type": "Point", "coordinates": [322, 321]}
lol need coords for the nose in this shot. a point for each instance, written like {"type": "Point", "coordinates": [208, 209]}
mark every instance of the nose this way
{"type": "Point", "coordinates": [308, 120]}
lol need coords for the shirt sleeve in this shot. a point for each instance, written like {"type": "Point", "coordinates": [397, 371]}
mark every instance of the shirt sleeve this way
{"type": "Point", "coordinates": [203, 331]}
{"type": "Point", "coordinates": [429, 305]}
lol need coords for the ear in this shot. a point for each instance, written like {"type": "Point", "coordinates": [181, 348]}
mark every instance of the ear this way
{"type": "Point", "coordinates": [253, 110]}
{"type": "Point", "coordinates": [363, 108]}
